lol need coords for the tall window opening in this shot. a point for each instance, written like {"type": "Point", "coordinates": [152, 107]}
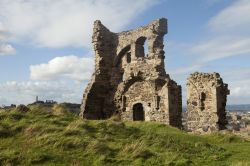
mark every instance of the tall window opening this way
{"type": "Point", "coordinates": [141, 49]}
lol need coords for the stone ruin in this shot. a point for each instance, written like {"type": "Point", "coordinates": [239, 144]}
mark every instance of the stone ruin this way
{"type": "Point", "coordinates": [206, 102]}
{"type": "Point", "coordinates": [130, 82]}
{"type": "Point", "coordinates": [133, 84]}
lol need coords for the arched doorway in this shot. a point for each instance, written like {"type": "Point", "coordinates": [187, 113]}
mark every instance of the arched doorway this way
{"type": "Point", "coordinates": [138, 112]}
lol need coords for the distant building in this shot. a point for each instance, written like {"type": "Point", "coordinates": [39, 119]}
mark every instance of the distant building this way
{"type": "Point", "coordinates": [50, 102]}
{"type": "Point", "coordinates": [9, 107]}
{"type": "Point", "coordinates": [42, 102]}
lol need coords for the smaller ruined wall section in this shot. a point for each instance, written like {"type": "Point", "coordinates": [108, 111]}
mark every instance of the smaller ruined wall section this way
{"type": "Point", "coordinates": [206, 101]}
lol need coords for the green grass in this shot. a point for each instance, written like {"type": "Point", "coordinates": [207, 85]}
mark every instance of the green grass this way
{"type": "Point", "coordinates": [53, 136]}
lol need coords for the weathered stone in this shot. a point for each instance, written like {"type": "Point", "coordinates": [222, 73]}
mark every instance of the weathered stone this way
{"type": "Point", "coordinates": [206, 102]}
{"type": "Point", "coordinates": [129, 82]}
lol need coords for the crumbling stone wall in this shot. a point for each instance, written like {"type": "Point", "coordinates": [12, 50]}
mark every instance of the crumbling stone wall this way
{"type": "Point", "coordinates": [206, 102]}
{"type": "Point", "coordinates": [128, 80]}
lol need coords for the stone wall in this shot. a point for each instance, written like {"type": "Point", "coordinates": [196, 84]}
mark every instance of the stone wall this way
{"type": "Point", "coordinates": [130, 81]}
{"type": "Point", "coordinates": [206, 101]}
{"type": "Point", "coordinates": [97, 102]}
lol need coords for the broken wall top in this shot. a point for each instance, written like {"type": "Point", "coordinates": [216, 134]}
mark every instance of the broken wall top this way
{"type": "Point", "coordinates": [154, 29]}
{"type": "Point", "coordinates": [154, 33]}
{"type": "Point", "coordinates": [211, 79]}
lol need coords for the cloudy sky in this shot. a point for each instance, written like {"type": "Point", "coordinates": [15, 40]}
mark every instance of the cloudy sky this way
{"type": "Point", "coordinates": [46, 51]}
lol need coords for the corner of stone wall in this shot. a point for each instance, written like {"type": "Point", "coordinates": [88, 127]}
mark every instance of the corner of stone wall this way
{"type": "Point", "coordinates": [95, 94]}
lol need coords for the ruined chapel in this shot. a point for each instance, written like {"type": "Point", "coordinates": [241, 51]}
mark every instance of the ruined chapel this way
{"type": "Point", "coordinates": [130, 81]}
{"type": "Point", "coordinates": [130, 78]}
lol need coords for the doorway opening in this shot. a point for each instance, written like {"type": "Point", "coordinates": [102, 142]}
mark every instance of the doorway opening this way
{"type": "Point", "coordinates": [138, 112]}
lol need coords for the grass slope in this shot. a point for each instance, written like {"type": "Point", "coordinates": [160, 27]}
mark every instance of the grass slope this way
{"type": "Point", "coordinates": [52, 136]}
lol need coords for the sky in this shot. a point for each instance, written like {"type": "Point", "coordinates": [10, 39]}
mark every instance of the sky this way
{"type": "Point", "coordinates": [46, 49]}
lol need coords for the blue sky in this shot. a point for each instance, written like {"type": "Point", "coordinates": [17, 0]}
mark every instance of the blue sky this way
{"type": "Point", "coordinates": [46, 51]}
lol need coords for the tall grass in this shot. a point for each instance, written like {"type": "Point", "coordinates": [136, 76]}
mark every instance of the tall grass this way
{"type": "Point", "coordinates": [50, 135]}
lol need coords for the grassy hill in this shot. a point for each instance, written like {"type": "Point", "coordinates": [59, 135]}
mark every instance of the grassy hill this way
{"type": "Point", "coordinates": [53, 136]}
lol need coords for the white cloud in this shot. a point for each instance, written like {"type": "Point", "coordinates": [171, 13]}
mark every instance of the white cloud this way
{"type": "Point", "coordinates": [237, 74]}
{"type": "Point", "coordinates": [221, 47]}
{"type": "Point", "coordinates": [30, 87]}
{"type": "Point", "coordinates": [3, 35]}
{"type": "Point", "coordinates": [238, 81]}
{"type": "Point", "coordinates": [13, 92]}
{"type": "Point", "coordinates": [239, 92]}
{"type": "Point", "coordinates": [187, 69]}
{"type": "Point", "coordinates": [230, 33]}
{"type": "Point", "coordinates": [229, 36]}
{"type": "Point", "coordinates": [60, 23]}
{"type": "Point", "coordinates": [241, 89]}
{"type": "Point", "coordinates": [7, 49]}
{"type": "Point", "coordinates": [2, 100]}
{"type": "Point", "coordinates": [69, 67]}
{"type": "Point", "coordinates": [234, 18]}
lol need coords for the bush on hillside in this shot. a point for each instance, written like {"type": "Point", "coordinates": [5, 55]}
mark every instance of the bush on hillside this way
{"type": "Point", "coordinates": [22, 108]}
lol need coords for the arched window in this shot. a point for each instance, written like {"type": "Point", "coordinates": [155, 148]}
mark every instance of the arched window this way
{"type": "Point", "coordinates": [202, 101]}
{"type": "Point", "coordinates": [124, 52]}
{"type": "Point", "coordinates": [141, 45]}
{"type": "Point", "coordinates": [128, 57]}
